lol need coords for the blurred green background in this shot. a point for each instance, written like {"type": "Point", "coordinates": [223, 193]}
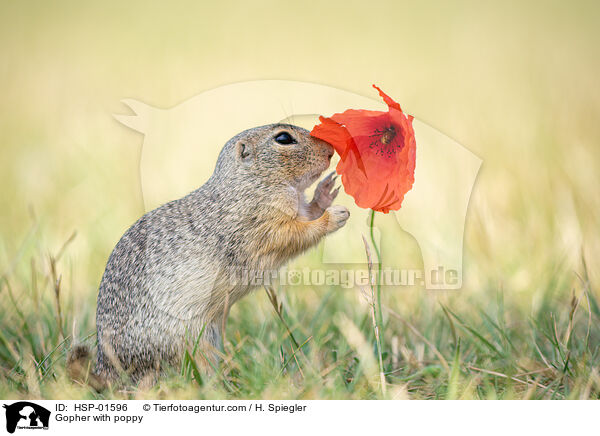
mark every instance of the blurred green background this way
{"type": "Point", "coordinates": [514, 82]}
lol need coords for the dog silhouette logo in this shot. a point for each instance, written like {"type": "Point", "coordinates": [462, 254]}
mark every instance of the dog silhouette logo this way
{"type": "Point", "coordinates": [26, 415]}
{"type": "Point", "coordinates": [181, 144]}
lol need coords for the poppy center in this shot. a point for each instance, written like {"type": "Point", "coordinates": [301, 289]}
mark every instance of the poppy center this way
{"type": "Point", "coordinates": [388, 135]}
{"type": "Point", "coordinates": [385, 141]}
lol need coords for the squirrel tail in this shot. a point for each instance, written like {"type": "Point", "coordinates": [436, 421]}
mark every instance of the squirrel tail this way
{"type": "Point", "coordinates": [78, 368]}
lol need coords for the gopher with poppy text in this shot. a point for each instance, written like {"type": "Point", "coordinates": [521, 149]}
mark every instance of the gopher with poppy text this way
{"type": "Point", "coordinates": [173, 276]}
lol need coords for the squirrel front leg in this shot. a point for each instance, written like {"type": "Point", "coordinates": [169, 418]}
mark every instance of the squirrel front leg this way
{"type": "Point", "coordinates": [294, 235]}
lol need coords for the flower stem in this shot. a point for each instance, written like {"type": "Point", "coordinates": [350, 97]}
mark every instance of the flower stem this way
{"type": "Point", "coordinates": [379, 314]}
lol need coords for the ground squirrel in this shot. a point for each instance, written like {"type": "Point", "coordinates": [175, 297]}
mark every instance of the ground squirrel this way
{"type": "Point", "coordinates": [171, 276]}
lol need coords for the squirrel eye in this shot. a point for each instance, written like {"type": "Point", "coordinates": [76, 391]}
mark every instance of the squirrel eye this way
{"type": "Point", "coordinates": [285, 138]}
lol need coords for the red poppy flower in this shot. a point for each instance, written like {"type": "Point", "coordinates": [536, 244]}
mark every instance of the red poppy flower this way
{"type": "Point", "coordinates": [377, 153]}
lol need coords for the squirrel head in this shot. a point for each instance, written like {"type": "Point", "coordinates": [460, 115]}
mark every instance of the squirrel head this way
{"type": "Point", "coordinates": [276, 154]}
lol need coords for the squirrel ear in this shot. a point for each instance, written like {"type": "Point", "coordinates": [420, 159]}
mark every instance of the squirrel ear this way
{"type": "Point", "coordinates": [243, 151]}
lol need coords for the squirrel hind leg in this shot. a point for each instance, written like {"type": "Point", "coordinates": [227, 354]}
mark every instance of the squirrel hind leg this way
{"type": "Point", "coordinates": [78, 368]}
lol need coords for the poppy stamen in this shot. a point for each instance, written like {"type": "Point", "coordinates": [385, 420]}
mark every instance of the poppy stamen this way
{"type": "Point", "coordinates": [383, 142]}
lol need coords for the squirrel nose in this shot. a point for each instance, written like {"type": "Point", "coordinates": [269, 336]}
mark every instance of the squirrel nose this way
{"type": "Point", "coordinates": [330, 155]}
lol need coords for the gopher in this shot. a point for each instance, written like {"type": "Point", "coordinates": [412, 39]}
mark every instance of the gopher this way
{"type": "Point", "coordinates": [175, 273]}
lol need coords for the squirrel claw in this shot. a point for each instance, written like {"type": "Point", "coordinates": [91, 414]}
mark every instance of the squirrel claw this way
{"type": "Point", "coordinates": [324, 195]}
{"type": "Point", "coordinates": [335, 192]}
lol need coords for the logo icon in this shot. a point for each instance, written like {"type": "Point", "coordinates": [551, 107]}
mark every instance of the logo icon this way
{"type": "Point", "coordinates": [26, 415]}
{"type": "Point", "coordinates": [433, 212]}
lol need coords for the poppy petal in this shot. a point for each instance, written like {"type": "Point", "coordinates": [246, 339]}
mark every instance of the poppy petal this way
{"type": "Point", "coordinates": [388, 100]}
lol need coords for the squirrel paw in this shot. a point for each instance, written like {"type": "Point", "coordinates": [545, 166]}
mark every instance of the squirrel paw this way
{"type": "Point", "coordinates": [324, 195]}
{"type": "Point", "coordinates": [338, 215]}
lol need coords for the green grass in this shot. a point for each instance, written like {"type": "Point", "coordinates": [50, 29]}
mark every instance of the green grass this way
{"type": "Point", "coordinates": [451, 345]}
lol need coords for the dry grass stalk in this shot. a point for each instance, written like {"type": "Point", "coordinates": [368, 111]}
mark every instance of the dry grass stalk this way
{"type": "Point", "coordinates": [371, 300]}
